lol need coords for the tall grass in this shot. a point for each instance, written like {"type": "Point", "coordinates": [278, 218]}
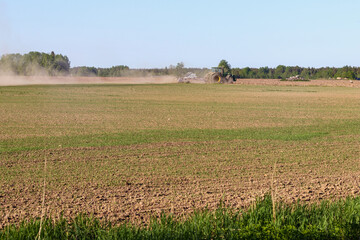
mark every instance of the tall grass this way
{"type": "Point", "coordinates": [327, 220]}
{"type": "Point", "coordinates": [38, 237]}
{"type": "Point", "coordinates": [273, 192]}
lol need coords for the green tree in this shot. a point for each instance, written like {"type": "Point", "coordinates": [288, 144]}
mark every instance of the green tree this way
{"type": "Point", "coordinates": [225, 65]}
{"type": "Point", "coordinates": [279, 71]}
{"type": "Point", "coordinates": [179, 69]}
{"type": "Point", "coordinates": [34, 63]}
{"type": "Point", "coordinates": [350, 75]}
{"type": "Point", "coordinates": [246, 72]}
{"type": "Point", "coordinates": [305, 73]}
{"type": "Point", "coordinates": [263, 72]}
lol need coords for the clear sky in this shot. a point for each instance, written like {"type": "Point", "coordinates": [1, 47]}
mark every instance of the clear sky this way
{"type": "Point", "coordinates": [157, 33]}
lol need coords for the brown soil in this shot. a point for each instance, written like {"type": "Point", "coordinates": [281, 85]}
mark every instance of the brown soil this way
{"type": "Point", "coordinates": [277, 82]}
{"type": "Point", "coordinates": [123, 183]}
{"type": "Point", "coordinates": [133, 183]}
{"type": "Point", "coordinates": [22, 80]}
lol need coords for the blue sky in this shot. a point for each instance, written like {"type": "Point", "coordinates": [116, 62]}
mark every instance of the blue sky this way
{"type": "Point", "coordinates": [157, 33]}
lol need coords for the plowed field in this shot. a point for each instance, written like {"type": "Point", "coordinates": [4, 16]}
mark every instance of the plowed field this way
{"type": "Point", "coordinates": [126, 152]}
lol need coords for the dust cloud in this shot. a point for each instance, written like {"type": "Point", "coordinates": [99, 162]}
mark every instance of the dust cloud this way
{"type": "Point", "coordinates": [7, 79]}
{"type": "Point", "coordinates": [40, 75]}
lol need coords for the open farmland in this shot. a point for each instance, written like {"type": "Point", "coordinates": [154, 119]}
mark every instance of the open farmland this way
{"type": "Point", "coordinates": [125, 152]}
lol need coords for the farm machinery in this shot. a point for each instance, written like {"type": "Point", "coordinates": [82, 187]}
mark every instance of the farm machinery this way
{"type": "Point", "coordinates": [218, 75]}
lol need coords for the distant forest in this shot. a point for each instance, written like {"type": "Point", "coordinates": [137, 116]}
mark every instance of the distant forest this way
{"type": "Point", "coordinates": [36, 63]}
{"type": "Point", "coordinates": [282, 72]}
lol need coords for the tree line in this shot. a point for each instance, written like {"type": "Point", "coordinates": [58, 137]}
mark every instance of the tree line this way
{"type": "Point", "coordinates": [282, 72]}
{"type": "Point", "coordinates": [37, 63]}
{"type": "Point", "coordinates": [124, 71]}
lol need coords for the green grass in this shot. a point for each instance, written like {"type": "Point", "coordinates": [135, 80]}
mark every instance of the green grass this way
{"type": "Point", "coordinates": [327, 220]}
{"type": "Point", "coordinates": [302, 133]}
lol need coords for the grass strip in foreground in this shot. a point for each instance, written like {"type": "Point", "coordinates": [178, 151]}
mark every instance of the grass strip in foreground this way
{"type": "Point", "coordinates": [326, 220]}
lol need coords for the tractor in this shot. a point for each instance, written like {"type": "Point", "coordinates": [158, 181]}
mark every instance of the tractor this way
{"type": "Point", "coordinates": [217, 75]}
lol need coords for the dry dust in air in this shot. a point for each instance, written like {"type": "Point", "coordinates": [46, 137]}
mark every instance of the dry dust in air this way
{"type": "Point", "coordinates": [8, 79]}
